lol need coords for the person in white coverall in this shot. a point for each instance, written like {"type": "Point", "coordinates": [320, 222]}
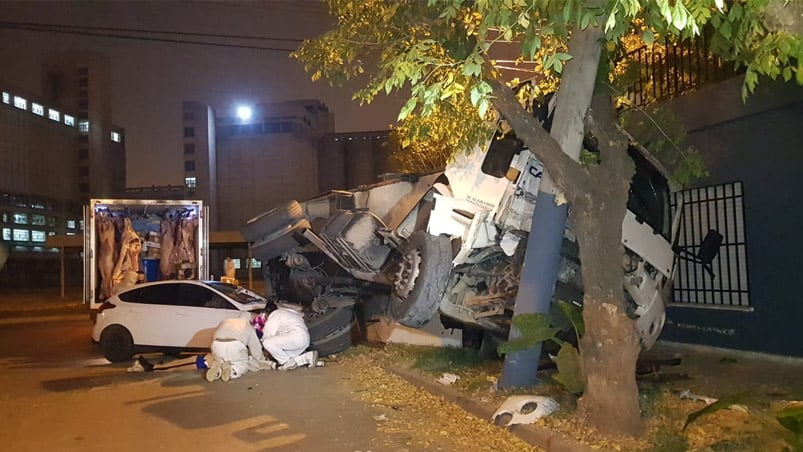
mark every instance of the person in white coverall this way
{"type": "Point", "coordinates": [285, 337]}
{"type": "Point", "coordinates": [235, 343]}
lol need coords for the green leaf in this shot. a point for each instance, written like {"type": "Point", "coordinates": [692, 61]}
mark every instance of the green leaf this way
{"type": "Point", "coordinates": [611, 22]}
{"type": "Point", "coordinates": [720, 404]}
{"type": "Point", "coordinates": [407, 109]}
{"type": "Point", "coordinates": [533, 329]}
{"type": "Point", "coordinates": [557, 66]}
{"type": "Point", "coordinates": [791, 418]}
{"type": "Point", "coordinates": [570, 369]}
{"type": "Point", "coordinates": [648, 37]}
{"type": "Point", "coordinates": [575, 315]}
{"type": "Point", "coordinates": [787, 74]}
{"type": "Point", "coordinates": [585, 20]}
{"type": "Point", "coordinates": [679, 17]}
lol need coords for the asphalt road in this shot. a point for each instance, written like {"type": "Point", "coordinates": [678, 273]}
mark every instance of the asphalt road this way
{"type": "Point", "coordinates": [57, 393]}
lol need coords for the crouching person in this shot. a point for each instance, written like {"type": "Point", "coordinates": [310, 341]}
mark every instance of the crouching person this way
{"type": "Point", "coordinates": [235, 349]}
{"type": "Point", "coordinates": [285, 337]}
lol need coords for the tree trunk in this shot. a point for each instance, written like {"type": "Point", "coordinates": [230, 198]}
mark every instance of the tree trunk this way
{"type": "Point", "coordinates": [598, 200]}
{"type": "Point", "coordinates": [610, 346]}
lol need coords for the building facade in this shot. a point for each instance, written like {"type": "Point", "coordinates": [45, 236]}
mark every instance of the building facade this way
{"type": "Point", "coordinates": [57, 150]}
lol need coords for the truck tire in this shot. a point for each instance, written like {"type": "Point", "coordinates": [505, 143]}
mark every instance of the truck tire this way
{"type": "Point", "coordinates": [282, 240]}
{"type": "Point", "coordinates": [335, 342]}
{"type": "Point", "coordinates": [271, 221]}
{"type": "Point", "coordinates": [324, 324]}
{"type": "Point", "coordinates": [116, 344]}
{"type": "Point", "coordinates": [421, 279]}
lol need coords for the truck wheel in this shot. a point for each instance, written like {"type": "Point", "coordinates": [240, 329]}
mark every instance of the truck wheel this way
{"type": "Point", "coordinates": [421, 279]}
{"type": "Point", "coordinates": [271, 221]}
{"type": "Point", "coordinates": [335, 342]}
{"type": "Point", "coordinates": [323, 324]}
{"type": "Point", "coordinates": [116, 344]}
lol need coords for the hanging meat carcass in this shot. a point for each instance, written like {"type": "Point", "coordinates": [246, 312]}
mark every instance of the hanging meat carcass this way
{"type": "Point", "coordinates": [186, 248]}
{"type": "Point", "coordinates": [130, 248]}
{"type": "Point", "coordinates": [166, 265]}
{"type": "Point", "coordinates": [106, 253]}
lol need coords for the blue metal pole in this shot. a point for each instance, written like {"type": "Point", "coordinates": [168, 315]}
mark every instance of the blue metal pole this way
{"type": "Point", "coordinates": [537, 284]}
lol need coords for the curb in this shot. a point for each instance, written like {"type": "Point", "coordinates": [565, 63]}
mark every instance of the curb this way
{"type": "Point", "coordinates": [540, 437]}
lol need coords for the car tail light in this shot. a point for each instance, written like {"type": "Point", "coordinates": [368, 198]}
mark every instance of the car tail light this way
{"type": "Point", "coordinates": [106, 305]}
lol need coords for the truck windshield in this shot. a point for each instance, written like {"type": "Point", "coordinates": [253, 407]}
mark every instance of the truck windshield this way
{"type": "Point", "coordinates": [649, 195]}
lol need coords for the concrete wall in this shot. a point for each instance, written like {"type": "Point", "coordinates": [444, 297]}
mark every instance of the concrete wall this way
{"type": "Point", "coordinates": [761, 144]}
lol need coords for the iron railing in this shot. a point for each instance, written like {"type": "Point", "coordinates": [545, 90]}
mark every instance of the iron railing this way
{"type": "Point", "coordinates": [721, 208]}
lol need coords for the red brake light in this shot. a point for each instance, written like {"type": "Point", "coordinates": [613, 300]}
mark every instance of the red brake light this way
{"type": "Point", "coordinates": [106, 305]}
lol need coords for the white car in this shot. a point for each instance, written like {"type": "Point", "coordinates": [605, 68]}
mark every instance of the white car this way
{"type": "Point", "coordinates": [171, 315]}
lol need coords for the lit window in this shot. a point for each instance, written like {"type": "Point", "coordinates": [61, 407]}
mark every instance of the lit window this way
{"type": "Point", "coordinates": [20, 103]}
{"type": "Point", "coordinates": [81, 225]}
{"type": "Point", "coordinates": [189, 182]}
{"type": "Point", "coordinates": [236, 262]}
{"type": "Point", "coordinates": [255, 263]}
{"type": "Point", "coordinates": [69, 120]}
{"type": "Point", "coordinates": [38, 236]}
{"type": "Point", "coordinates": [6, 233]}
{"type": "Point", "coordinates": [6, 98]}
{"type": "Point", "coordinates": [116, 137]}
{"type": "Point", "coordinates": [21, 235]}
{"type": "Point", "coordinates": [20, 218]}
{"type": "Point", "coordinates": [38, 220]}
{"type": "Point", "coordinates": [83, 126]}
{"type": "Point", "coordinates": [54, 114]}
{"type": "Point", "coordinates": [71, 224]}
{"type": "Point", "coordinates": [37, 109]}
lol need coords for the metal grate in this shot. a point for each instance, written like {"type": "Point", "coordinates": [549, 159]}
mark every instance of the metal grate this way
{"type": "Point", "coordinates": [721, 208]}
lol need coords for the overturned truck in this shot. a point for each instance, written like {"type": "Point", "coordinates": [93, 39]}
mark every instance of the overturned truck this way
{"type": "Point", "coordinates": [450, 242]}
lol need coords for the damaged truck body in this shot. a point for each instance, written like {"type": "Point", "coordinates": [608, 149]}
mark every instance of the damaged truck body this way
{"type": "Point", "coordinates": [453, 243]}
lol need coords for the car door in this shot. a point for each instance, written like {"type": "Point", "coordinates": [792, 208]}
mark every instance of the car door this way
{"type": "Point", "coordinates": [198, 312]}
{"type": "Point", "coordinates": [150, 313]}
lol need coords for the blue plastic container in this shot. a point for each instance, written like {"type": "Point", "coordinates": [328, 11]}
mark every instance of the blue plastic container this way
{"type": "Point", "coordinates": [151, 267]}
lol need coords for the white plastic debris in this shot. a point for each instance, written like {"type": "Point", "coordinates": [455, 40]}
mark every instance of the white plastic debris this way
{"type": "Point", "coordinates": [524, 409]}
{"type": "Point", "coordinates": [692, 396]}
{"type": "Point", "coordinates": [380, 418]}
{"type": "Point", "coordinates": [447, 379]}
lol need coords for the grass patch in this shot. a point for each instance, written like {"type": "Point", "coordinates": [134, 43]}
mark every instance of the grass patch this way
{"type": "Point", "coordinates": [447, 359]}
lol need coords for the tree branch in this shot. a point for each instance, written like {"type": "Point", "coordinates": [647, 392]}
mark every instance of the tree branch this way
{"type": "Point", "coordinates": [564, 171]}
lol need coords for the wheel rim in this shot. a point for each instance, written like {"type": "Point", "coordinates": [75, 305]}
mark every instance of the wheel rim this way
{"type": "Point", "coordinates": [409, 269]}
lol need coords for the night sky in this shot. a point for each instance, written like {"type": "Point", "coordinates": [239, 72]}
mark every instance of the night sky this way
{"type": "Point", "coordinates": [151, 79]}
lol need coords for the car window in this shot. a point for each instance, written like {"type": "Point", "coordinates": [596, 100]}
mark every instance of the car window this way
{"type": "Point", "coordinates": [202, 297]}
{"type": "Point", "coordinates": [166, 294]}
{"type": "Point", "coordinates": [237, 293]}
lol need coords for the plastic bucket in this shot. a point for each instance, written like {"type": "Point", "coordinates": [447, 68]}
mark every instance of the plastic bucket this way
{"type": "Point", "coordinates": [151, 267]}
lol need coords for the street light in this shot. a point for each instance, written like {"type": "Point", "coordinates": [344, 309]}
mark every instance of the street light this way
{"type": "Point", "coordinates": [244, 113]}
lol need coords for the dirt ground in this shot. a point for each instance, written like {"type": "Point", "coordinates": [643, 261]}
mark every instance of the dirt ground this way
{"type": "Point", "coordinates": [757, 385]}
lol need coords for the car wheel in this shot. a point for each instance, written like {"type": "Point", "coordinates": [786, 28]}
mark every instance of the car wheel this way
{"type": "Point", "coordinates": [116, 344]}
{"type": "Point", "coordinates": [421, 279]}
{"type": "Point", "coordinates": [271, 221]}
{"type": "Point", "coordinates": [321, 325]}
{"type": "Point", "coordinates": [335, 342]}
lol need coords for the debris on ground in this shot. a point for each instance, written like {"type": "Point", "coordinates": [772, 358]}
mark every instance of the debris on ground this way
{"type": "Point", "coordinates": [447, 379]}
{"type": "Point", "coordinates": [524, 409]}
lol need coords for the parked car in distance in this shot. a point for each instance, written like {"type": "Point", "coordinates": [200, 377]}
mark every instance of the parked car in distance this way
{"type": "Point", "coordinates": [168, 315]}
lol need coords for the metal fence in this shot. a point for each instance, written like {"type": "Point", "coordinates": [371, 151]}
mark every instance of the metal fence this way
{"type": "Point", "coordinates": [667, 72]}
{"type": "Point", "coordinates": [721, 208]}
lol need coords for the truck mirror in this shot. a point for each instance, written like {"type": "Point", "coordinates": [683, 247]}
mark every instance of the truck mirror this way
{"type": "Point", "coordinates": [709, 248]}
